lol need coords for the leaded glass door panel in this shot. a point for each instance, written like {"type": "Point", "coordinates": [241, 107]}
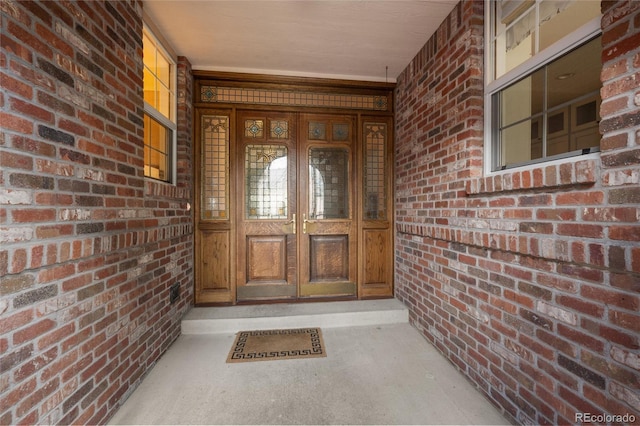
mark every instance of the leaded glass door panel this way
{"type": "Point", "coordinates": [214, 232]}
{"type": "Point", "coordinates": [375, 238]}
{"type": "Point", "coordinates": [328, 251]}
{"type": "Point", "coordinates": [267, 243]}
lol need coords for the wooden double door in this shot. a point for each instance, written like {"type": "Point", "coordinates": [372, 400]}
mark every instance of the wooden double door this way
{"type": "Point", "coordinates": [307, 198]}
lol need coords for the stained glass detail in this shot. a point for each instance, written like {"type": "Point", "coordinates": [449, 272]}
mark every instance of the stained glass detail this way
{"type": "Point", "coordinates": [279, 129]}
{"type": "Point", "coordinates": [209, 94]}
{"type": "Point", "coordinates": [266, 181]}
{"type": "Point", "coordinates": [240, 95]}
{"type": "Point", "coordinates": [380, 103]}
{"type": "Point", "coordinates": [340, 132]}
{"type": "Point", "coordinates": [375, 191]}
{"type": "Point", "coordinates": [328, 183]}
{"type": "Point", "coordinates": [215, 170]}
{"type": "Point", "coordinates": [317, 131]}
{"type": "Point", "coordinates": [254, 128]}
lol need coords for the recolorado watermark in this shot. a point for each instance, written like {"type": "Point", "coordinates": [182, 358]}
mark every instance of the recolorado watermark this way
{"type": "Point", "coordinates": [604, 418]}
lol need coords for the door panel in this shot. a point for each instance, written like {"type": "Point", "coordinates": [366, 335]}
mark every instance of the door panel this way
{"type": "Point", "coordinates": [376, 254]}
{"type": "Point", "coordinates": [267, 257]}
{"type": "Point", "coordinates": [329, 258]}
{"type": "Point", "coordinates": [267, 243]}
{"type": "Point", "coordinates": [215, 261]}
{"type": "Point", "coordinates": [328, 247]}
{"type": "Point", "coordinates": [376, 235]}
{"type": "Point", "coordinates": [214, 243]}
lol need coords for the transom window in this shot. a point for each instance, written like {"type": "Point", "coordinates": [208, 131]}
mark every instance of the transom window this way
{"type": "Point", "coordinates": [159, 109]}
{"type": "Point", "coordinates": [543, 85]}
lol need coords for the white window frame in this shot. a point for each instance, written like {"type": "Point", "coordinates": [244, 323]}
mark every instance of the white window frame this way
{"type": "Point", "coordinates": [492, 86]}
{"type": "Point", "coordinates": [170, 124]}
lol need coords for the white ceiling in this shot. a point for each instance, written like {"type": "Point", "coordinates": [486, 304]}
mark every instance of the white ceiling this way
{"type": "Point", "coordinates": [345, 39]}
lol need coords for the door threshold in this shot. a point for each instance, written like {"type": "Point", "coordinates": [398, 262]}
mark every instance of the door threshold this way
{"type": "Point", "coordinates": [231, 319]}
{"type": "Point", "coordinates": [299, 300]}
{"type": "Point", "coordinates": [281, 301]}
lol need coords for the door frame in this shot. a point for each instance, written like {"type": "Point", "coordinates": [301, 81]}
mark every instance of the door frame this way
{"type": "Point", "coordinates": [228, 93]}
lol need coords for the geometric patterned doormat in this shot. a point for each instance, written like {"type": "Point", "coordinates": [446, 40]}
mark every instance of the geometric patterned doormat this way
{"type": "Point", "coordinates": [265, 345]}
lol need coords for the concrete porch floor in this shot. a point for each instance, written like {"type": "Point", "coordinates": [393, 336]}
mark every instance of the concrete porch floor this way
{"type": "Point", "coordinates": [378, 370]}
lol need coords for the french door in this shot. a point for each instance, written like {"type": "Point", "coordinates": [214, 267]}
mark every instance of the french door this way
{"type": "Point", "coordinates": [296, 232]}
{"type": "Point", "coordinates": [293, 190]}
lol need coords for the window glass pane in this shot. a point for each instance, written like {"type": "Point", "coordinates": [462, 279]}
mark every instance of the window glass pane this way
{"type": "Point", "coordinates": [521, 29]}
{"type": "Point", "coordinates": [520, 40]}
{"type": "Point", "coordinates": [157, 143]}
{"type": "Point", "coordinates": [517, 143]}
{"type": "Point", "coordinates": [149, 87]}
{"type": "Point", "coordinates": [163, 69]}
{"type": "Point", "coordinates": [559, 18]}
{"type": "Point", "coordinates": [328, 183]}
{"type": "Point", "coordinates": [148, 52]}
{"type": "Point", "coordinates": [575, 74]}
{"type": "Point", "coordinates": [557, 137]}
{"type": "Point", "coordinates": [266, 181]}
{"type": "Point", "coordinates": [157, 78]}
{"type": "Point", "coordinates": [215, 167]}
{"type": "Point", "coordinates": [552, 111]}
{"type": "Point", "coordinates": [158, 137]}
{"type": "Point", "coordinates": [522, 100]}
{"type": "Point", "coordinates": [165, 101]}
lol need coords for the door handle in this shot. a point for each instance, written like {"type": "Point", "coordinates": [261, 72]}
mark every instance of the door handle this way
{"type": "Point", "coordinates": [293, 222]}
{"type": "Point", "coordinates": [306, 221]}
{"type": "Point", "coordinates": [285, 227]}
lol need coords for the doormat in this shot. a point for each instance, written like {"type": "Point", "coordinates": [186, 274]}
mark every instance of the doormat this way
{"type": "Point", "coordinates": [264, 345]}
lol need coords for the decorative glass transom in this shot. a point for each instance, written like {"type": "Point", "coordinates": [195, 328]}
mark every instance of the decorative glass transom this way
{"type": "Point", "coordinates": [239, 95]}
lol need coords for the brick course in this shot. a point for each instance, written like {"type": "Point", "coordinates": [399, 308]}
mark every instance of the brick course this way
{"type": "Point", "coordinates": [88, 246]}
{"type": "Point", "coordinates": [526, 280]}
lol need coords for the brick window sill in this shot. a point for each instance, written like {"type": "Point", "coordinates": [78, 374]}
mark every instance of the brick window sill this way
{"type": "Point", "coordinates": [156, 188]}
{"type": "Point", "coordinates": [542, 176]}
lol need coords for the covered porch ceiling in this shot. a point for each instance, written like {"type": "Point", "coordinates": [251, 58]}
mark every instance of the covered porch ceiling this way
{"type": "Point", "coordinates": [346, 39]}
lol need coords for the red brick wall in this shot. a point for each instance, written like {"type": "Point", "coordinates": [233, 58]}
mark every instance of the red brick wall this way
{"type": "Point", "coordinates": [528, 281]}
{"type": "Point", "coordinates": [88, 246]}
